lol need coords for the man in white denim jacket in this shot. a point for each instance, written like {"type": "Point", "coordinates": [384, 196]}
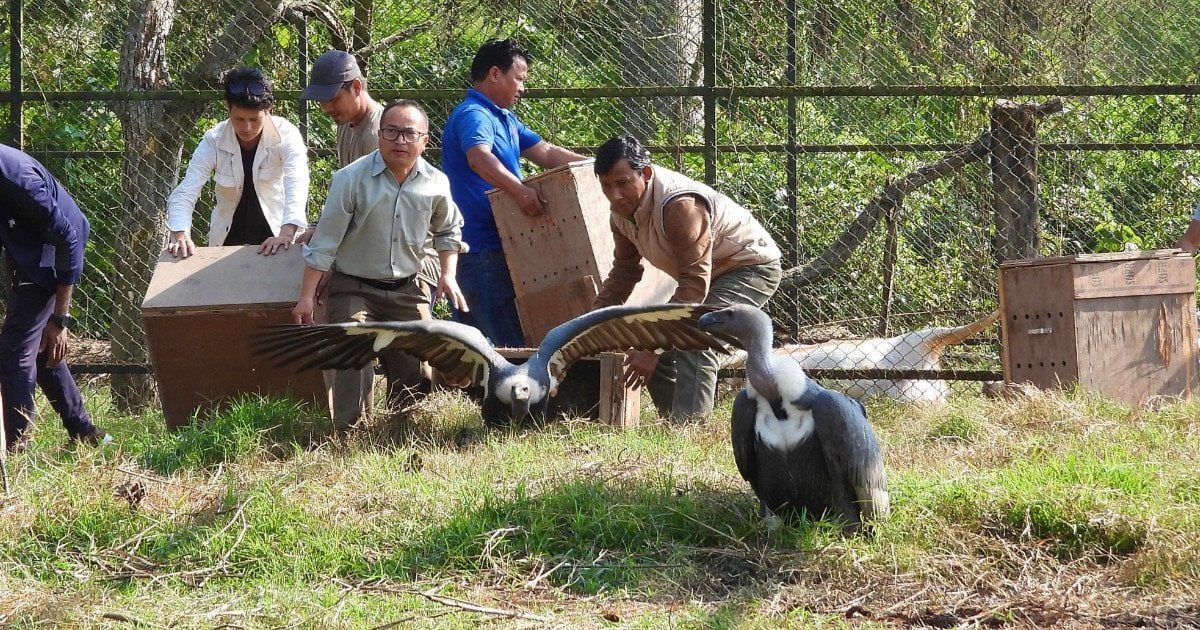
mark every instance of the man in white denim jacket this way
{"type": "Point", "coordinates": [259, 164]}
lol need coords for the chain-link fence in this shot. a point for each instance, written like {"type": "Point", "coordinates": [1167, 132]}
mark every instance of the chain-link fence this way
{"type": "Point", "coordinates": [818, 116]}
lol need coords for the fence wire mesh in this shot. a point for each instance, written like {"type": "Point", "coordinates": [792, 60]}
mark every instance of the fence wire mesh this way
{"type": "Point", "coordinates": [803, 111]}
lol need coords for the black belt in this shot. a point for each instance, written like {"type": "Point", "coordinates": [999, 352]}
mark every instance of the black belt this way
{"type": "Point", "coordinates": [384, 285]}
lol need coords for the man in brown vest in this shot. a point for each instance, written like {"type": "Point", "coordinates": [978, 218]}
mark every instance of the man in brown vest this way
{"type": "Point", "coordinates": [713, 247]}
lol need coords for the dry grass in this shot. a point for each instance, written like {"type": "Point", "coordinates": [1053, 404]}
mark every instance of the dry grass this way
{"type": "Point", "coordinates": [1041, 511]}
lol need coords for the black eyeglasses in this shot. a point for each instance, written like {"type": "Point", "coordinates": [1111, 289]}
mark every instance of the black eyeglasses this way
{"type": "Point", "coordinates": [237, 88]}
{"type": "Point", "coordinates": [391, 134]}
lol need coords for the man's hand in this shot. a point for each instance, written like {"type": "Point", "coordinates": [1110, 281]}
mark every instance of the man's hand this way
{"type": "Point", "coordinates": [448, 286]}
{"type": "Point", "coordinates": [180, 245]}
{"type": "Point", "coordinates": [305, 236]}
{"type": "Point", "coordinates": [302, 313]}
{"type": "Point", "coordinates": [530, 202]}
{"type": "Point", "coordinates": [53, 343]}
{"type": "Point", "coordinates": [639, 366]}
{"type": "Point", "coordinates": [274, 244]}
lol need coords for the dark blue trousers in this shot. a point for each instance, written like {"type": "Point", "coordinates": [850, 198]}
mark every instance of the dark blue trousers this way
{"type": "Point", "coordinates": [21, 366]}
{"type": "Point", "coordinates": [487, 285]}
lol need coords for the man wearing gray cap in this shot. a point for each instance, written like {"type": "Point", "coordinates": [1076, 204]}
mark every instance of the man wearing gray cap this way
{"type": "Point", "coordinates": [337, 84]}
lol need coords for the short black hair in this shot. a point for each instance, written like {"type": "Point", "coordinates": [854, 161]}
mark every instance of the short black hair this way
{"type": "Point", "coordinates": [621, 147]}
{"type": "Point", "coordinates": [404, 102]}
{"type": "Point", "coordinates": [241, 85]}
{"type": "Point", "coordinates": [499, 53]}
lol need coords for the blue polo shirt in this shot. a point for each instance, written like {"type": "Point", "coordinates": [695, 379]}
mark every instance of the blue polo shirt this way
{"type": "Point", "coordinates": [477, 120]}
{"type": "Point", "coordinates": [41, 228]}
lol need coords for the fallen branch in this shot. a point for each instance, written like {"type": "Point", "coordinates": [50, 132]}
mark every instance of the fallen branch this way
{"type": "Point", "coordinates": [888, 200]}
{"type": "Point", "coordinates": [465, 605]}
{"type": "Point", "coordinates": [133, 621]}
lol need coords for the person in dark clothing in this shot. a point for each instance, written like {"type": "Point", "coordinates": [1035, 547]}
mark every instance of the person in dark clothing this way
{"type": "Point", "coordinates": [43, 234]}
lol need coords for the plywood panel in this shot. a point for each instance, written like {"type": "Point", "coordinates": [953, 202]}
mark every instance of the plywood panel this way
{"type": "Point", "coordinates": [1153, 273]}
{"type": "Point", "coordinates": [225, 276]}
{"type": "Point", "coordinates": [202, 360]}
{"type": "Point", "coordinates": [1038, 326]}
{"type": "Point", "coordinates": [543, 310]}
{"type": "Point", "coordinates": [1122, 324]}
{"type": "Point", "coordinates": [1144, 348]}
{"type": "Point", "coordinates": [620, 406]}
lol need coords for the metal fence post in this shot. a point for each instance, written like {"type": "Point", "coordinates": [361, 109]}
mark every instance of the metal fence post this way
{"type": "Point", "coordinates": [16, 123]}
{"type": "Point", "coordinates": [709, 53]}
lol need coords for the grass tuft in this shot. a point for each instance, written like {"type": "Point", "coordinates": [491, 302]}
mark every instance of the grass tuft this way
{"type": "Point", "coordinates": [248, 427]}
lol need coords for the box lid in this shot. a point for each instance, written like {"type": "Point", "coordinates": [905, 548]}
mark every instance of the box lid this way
{"type": "Point", "coordinates": [225, 276]}
{"type": "Point", "coordinates": [550, 173]}
{"type": "Point", "coordinates": [1150, 254]}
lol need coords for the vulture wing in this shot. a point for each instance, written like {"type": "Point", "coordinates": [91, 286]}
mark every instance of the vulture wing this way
{"type": "Point", "coordinates": [744, 438]}
{"type": "Point", "coordinates": [618, 328]}
{"type": "Point", "coordinates": [851, 451]}
{"type": "Point", "coordinates": [456, 350]}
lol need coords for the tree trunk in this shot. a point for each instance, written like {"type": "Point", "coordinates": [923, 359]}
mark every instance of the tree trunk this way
{"type": "Point", "coordinates": [662, 48]}
{"type": "Point", "coordinates": [147, 172]}
{"type": "Point", "coordinates": [1014, 180]}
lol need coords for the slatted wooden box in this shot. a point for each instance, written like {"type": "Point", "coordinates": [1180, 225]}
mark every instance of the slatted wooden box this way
{"type": "Point", "coordinates": [559, 261]}
{"type": "Point", "coordinates": [199, 314]}
{"type": "Point", "coordinates": [1122, 324]}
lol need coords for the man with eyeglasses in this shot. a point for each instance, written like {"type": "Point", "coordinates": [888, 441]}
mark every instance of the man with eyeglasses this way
{"type": "Point", "coordinates": [259, 165]}
{"type": "Point", "coordinates": [338, 86]}
{"type": "Point", "coordinates": [379, 213]}
{"type": "Point", "coordinates": [482, 145]}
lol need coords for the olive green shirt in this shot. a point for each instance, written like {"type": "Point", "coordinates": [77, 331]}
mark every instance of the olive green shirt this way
{"type": "Point", "coordinates": [357, 140]}
{"type": "Point", "coordinates": [374, 227]}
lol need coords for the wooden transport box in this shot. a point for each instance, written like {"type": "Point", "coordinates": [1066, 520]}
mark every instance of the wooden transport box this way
{"type": "Point", "coordinates": [559, 261]}
{"type": "Point", "coordinates": [1123, 324]}
{"type": "Point", "coordinates": [594, 387]}
{"type": "Point", "coordinates": [199, 313]}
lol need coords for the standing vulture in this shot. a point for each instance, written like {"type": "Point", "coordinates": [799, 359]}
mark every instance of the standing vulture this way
{"type": "Point", "coordinates": [460, 352]}
{"type": "Point", "coordinates": [803, 448]}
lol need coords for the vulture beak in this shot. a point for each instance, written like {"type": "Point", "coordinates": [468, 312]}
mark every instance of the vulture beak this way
{"type": "Point", "coordinates": [711, 319]}
{"type": "Point", "coordinates": [520, 401]}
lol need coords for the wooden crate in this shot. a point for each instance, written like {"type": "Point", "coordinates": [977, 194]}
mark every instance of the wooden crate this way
{"type": "Point", "coordinates": [559, 260]}
{"type": "Point", "coordinates": [1123, 324]}
{"type": "Point", "coordinates": [594, 387]}
{"type": "Point", "coordinates": [199, 313]}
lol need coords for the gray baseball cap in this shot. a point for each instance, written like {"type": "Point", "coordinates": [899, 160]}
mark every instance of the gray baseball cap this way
{"type": "Point", "coordinates": [329, 72]}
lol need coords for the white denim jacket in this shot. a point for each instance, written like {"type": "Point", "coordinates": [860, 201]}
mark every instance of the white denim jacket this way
{"type": "Point", "coordinates": [280, 179]}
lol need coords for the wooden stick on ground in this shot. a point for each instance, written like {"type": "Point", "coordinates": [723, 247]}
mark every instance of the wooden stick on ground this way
{"type": "Point", "coordinates": [464, 605]}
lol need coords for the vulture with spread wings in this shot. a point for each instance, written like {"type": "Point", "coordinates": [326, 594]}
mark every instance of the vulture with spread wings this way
{"type": "Point", "coordinates": [461, 353]}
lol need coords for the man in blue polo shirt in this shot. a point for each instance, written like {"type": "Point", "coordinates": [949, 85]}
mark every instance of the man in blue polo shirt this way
{"type": "Point", "coordinates": [482, 144]}
{"type": "Point", "coordinates": [42, 233]}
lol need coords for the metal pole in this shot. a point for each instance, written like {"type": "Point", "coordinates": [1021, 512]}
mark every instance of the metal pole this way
{"type": "Point", "coordinates": [16, 121]}
{"type": "Point", "coordinates": [792, 255]}
{"type": "Point", "coordinates": [709, 28]}
{"type": "Point", "coordinates": [302, 61]}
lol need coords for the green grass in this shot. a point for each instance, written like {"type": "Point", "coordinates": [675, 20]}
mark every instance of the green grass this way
{"type": "Point", "coordinates": [260, 517]}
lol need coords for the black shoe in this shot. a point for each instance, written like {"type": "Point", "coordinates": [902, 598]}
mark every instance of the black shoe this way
{"type": "Point", "coordinates": [96, 438]}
